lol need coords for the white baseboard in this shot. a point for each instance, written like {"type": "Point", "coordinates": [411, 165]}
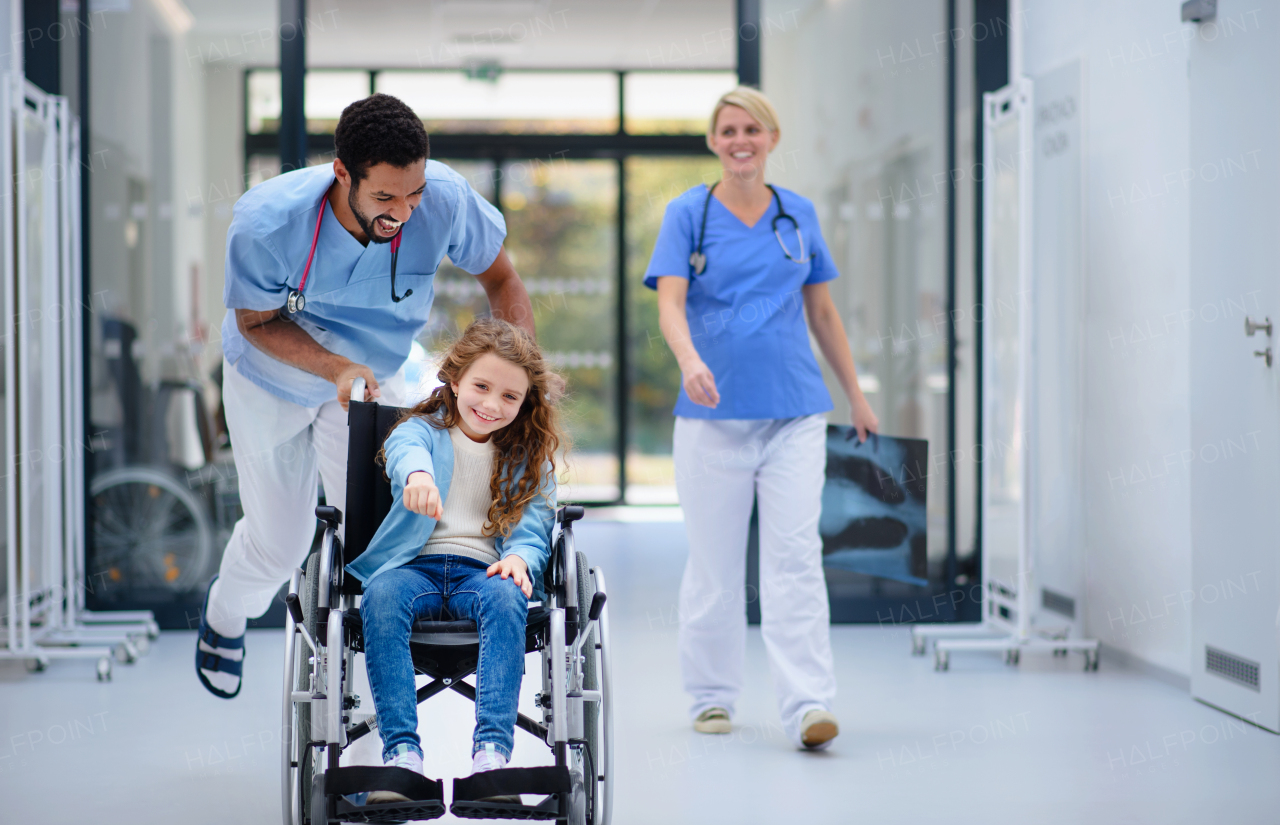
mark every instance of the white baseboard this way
{"type": "Point", "coordinates": [1110, 655]}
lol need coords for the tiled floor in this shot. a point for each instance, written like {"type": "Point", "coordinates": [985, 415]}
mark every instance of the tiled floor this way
{"type": "Point", "coordinates": [1043, 743]}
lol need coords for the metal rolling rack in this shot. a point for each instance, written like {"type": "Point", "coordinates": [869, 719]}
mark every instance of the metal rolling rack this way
{"type": "Point", "coordinates": [43, 511]}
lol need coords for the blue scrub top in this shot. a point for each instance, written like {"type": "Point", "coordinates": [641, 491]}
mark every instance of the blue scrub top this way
{"type": "Point", "coordinates": [349, 310]}
{"type": "Point", "coordinates": [746, 309]}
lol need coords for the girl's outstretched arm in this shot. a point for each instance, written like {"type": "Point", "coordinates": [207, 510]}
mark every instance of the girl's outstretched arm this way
{"type": "Point", "coordinates": [408, 449]}
{"type": "Point", "coordinates": [421, 495]}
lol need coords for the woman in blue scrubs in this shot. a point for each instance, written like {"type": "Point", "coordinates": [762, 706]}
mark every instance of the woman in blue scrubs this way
{"type": "Point", "coordinates": [737, 267]}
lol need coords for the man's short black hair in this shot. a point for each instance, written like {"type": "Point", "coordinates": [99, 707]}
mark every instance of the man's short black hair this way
{"type": "Point", "coordinates": [379, 129]}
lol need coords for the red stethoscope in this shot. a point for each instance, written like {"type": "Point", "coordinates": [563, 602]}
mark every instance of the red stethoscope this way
{"type": "Point", "coordinates": [297, 302]}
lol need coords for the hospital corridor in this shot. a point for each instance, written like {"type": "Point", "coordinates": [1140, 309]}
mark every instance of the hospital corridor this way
{"type": "Point", "coordinates": [630, 411]}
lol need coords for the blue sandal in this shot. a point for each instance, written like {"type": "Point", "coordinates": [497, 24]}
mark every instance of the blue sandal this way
{"type": "Point", "coordinates": [212, 661]}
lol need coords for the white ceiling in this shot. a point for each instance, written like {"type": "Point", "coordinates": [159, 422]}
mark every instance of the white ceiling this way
{"type": "Point", "coordinates": [616, 34]}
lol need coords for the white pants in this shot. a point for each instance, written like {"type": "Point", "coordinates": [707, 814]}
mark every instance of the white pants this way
{"type": "Point", "coordinates": [721, 468]}
{"type": "Point", "coordinates": [278, 448]}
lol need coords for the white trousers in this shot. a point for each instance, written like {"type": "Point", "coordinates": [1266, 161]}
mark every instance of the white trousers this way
{"type": "Point", "coordinates": [278, 446]}
{"type": "Point", "coordinates": [721, 468]}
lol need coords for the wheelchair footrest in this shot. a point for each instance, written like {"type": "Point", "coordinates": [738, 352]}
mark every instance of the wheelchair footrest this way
{"type": "Point", "coordinates": [472, 795]}
{"type": "Point", "coordinates": [426, 796]}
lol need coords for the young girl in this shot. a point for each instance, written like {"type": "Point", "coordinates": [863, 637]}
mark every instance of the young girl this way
{"type": "Point", "coordinates": [468, 535]}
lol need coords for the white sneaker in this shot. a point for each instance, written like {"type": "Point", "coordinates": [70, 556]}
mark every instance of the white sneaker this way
{"type": "Point", "coordinates": [490, 759]}
{"type": "Point", "coordinates": [818, 728]}
{"type": "Point", "coordinates": [409, 760]}
{"type": "Point", "coordinates": [713, 720]}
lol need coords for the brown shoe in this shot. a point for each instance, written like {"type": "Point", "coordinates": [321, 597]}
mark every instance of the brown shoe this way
{"type": "Point", "coordinates": [713, 720]}
{"type": "Point", "coordinates": [818, 728]}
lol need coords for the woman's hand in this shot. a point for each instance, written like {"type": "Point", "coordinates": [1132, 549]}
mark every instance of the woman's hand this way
{"type": "Point", "coordinates": [864, 420]}
{"type": "Point", "coordinates": [422, 496]}
{"type": "Point", "coordinates": [700, 384]}
{"type": "Point", "coordinates": [513, 567]}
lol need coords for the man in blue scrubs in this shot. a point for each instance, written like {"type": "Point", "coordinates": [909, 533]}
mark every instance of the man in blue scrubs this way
{"type": "Point", "coordinates": [360, 241]}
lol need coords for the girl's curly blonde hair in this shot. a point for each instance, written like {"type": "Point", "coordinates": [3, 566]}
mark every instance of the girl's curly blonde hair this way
{"type": "Point", "coordinates": [531, 441]}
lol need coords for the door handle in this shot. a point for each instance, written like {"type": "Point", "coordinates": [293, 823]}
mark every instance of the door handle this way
{"type": "Point", "coordinates": [1251, 326]}
{"type": "Point", "coordinates": [1264, 354]}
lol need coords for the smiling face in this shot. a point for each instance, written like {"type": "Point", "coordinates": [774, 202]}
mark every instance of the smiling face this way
{"type": "Point", "coordinates": [384, 198]}
{"type": "Point", "coordinates": [741, 142]}
{"type": "Point", "coordinates": [489, 396]}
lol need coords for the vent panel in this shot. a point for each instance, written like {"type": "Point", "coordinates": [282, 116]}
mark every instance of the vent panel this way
{"type": "Point", "coordinates": [1232, 668]}
{"type": "Point", "coordinates": [1058, 603]}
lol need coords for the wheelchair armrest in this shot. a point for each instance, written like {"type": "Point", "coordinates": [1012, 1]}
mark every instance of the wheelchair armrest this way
{"type": "Point", "coordinates": [569, 514]}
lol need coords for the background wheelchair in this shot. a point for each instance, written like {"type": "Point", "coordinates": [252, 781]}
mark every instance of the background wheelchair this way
{"type": "Point", "coordinates": [323, 634]}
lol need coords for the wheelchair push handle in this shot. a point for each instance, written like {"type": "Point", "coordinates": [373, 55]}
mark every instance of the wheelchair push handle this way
{"type": "Point", "coordinates": [597, 607]}
{"type": "Point", "coordinates": [593, 615]}
{"type": "Point", "coordinates": [294, 604]}
{"type": "Point", "coordinates": [358, 389]}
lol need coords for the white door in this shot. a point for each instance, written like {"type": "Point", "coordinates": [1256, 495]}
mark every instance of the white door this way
{"type": "Point", "coordinates": [1056, 376]}
{"type": "Point", "coordinates": [1235, 396]}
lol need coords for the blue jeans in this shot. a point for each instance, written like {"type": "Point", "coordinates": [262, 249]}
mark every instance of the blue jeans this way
{"type": "Point", "coordinates": [438, 587]}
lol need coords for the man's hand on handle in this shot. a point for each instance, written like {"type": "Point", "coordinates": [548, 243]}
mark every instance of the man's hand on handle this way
{"type": "Point", "coordinates": [347, 375]}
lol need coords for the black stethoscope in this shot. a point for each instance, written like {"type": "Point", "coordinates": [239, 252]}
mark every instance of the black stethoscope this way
{"type": "Point", "coordinates": [699, 261]}
{"type": "Point", "coordinates": [297, 302]}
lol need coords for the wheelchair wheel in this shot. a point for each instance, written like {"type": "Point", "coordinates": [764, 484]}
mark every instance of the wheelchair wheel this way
{"type": "Point", "coordinates": [590, 710]}
{"type": "Point", "coordinates": [310, 759]}
{"type": "Point", "coordinates": [150, 530]}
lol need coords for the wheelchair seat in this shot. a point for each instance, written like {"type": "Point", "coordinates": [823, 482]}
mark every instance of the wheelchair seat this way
{"type": "Point", "coordinates": [452, 632]}
{"type": "Point", "coordinates": [458, 632]}
{"type": "Point", "coordinates": [464, 632]}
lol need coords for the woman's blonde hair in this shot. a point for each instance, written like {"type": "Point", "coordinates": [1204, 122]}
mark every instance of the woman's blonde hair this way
{"type": "Point", "coordinates": [755, 104]}
{"type": "Point", "coordinates": [530, 441]}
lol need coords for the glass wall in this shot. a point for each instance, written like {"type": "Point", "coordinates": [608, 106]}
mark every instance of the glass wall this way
{"type": "Point", "coordinates": [672, 102]}
{"type": "Point", "coordinates": [560, 237]}
{"type": "Point", "coordinates": [163, 495]}
{"type": "Point", "coordinates": [864, 135]}
{"type": "Point", "coordinates": [651, 183]}
{"type": "Point", "coordinates": [561, 219]}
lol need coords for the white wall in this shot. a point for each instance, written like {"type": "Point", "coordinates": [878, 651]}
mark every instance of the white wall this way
{"type": "Point", "coordinates": [1137, 541]}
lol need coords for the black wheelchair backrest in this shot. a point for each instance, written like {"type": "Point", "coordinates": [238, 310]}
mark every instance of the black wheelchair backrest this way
{"type": "Point", "coordinates": [368, 490]}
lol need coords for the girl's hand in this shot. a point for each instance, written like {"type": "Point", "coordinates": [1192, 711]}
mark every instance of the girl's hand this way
{"type": "Point", "coordinates": [864, 420]}
{"type": "Point", "coordinates": [513, 567]}
{"type": "Point", "coordinates": [422, 496]}
{"type": "Point", "coordinates": [700, 385]}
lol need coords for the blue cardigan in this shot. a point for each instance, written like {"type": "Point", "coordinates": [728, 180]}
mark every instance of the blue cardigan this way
{"type": "Point", "coordinates": [416, 445]}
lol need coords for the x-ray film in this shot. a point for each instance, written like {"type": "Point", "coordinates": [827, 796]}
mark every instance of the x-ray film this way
{"type": "Point", "coordinates": [873, 505]}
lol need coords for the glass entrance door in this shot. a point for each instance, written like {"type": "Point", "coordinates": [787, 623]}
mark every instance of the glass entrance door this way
{"type": "Point", "coordinates": [560, 218]}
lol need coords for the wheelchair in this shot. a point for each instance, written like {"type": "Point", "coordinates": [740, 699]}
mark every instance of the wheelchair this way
{"type": "Point", "coordinates": [323, 634]}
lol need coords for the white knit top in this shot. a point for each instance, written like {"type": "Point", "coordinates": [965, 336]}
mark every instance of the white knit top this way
{"type": "Point", "coordinates": [460, 530]}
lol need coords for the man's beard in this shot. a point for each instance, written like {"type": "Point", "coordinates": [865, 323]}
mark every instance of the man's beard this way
{"type": "Point", "coordinates": [366, 224]}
